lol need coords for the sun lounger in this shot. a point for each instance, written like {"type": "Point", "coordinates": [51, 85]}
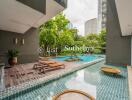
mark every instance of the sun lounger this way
{"type": "Point", "coordinates": [47, 62]}
{"type": "Point", "coordinates": [57, 64]}
{"type": "Point", "coordinates": [53, 66]}
{"type": "Point", "coordinates": [52, 63]}
{"type": "Point", "coordinates": [43, 66]}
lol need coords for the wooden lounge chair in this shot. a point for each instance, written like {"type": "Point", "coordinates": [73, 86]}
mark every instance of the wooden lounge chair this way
{"type": "Point", "coordinates": [57, 64]}
{"type": "Point", "coordinates": [39, 65]}
{"type": "Point", "coordinates": [43, 66]}
{"type": "Point", "coordinates": [43, 58]}
{"type": "Point", "coordinates": [54, 66]}
{"type": "Point", "coordinates": [47, 62]}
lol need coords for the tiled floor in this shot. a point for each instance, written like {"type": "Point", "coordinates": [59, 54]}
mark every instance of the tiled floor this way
{"type": "Point", "coordinates": [25, 72]}
{"type": "Point", "coordinates": [91, 80]}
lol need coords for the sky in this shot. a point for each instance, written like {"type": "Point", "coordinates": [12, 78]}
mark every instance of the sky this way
{"type": "Point", "coordinates": [79, 11]}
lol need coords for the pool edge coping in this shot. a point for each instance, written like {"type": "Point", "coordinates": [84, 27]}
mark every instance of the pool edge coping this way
{"type": "Point", "coordinates": [27, 85]}
{"type": "Point", "coordinates": [129, 69]}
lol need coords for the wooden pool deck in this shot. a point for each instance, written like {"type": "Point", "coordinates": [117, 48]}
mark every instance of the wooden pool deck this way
{"type": "Point", "coordinates": [21, 73]}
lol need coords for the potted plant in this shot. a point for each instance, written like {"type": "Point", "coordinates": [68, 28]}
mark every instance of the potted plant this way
{"type": "Point", "coordinates": [12, 56]}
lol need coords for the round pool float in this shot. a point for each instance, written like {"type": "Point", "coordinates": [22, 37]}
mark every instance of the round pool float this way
{"type": "Point", "coordinates": [110, 70]}
{"type": "Point", "coordinates": [73, 95]}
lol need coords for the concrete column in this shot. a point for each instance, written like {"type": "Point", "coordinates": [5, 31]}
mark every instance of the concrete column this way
{"type": "Point", "coordinates": [131, 51]}
{"type": "Point", "coordinates": [2, 85]}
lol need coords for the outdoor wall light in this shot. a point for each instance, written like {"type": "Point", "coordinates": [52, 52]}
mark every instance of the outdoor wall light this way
{"type": "Point", "coordinates": [16, 40]}
{"type": "Point", "coordinates": [23, 41]}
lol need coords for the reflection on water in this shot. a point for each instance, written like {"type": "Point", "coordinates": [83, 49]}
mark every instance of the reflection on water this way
{"type": "Point", "coordinates": [89, 80]}
{"type": "Point", "coordinates": [92, 77]}
{"type": "Point", "coordinates": [79, 83]}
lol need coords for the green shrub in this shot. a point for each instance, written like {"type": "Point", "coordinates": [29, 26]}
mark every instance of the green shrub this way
{"type": "Point", "coordinates": [13, 53]}
{"type": "Point", "coordinates": [97, 51]}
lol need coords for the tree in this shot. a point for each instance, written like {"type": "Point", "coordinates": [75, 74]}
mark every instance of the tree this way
{"type": "Point", "coordinates": [74, 33]}
{"type": "Point", "coordinates": [47, 37]}
{"type": "Point", "coordinates": [61, 22]}
{"type": "Point", "coordinates": [62, 32]}
{"type": "Point", "coordinates": [102, 40]}
{"type": "Point", "coordinates": [92, 40]}
{"type": "Point", "coordinates": [102, 36]}
{"type": "Point", "coordinates": [97, 41]}
{"type": "Point", "coordinates": [55, 33]}
{"type": "Point", "coordinates": [65, 39]}
{"type": "Point", "coordinates": [79, 43]}
{"type": "Point", "coordinates": [82, 39]}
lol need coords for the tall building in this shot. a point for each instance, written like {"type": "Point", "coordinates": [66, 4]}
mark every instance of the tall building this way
{"type": "Point", "coordinates": [91, 26]}
{"type": "Point", "coordinates": [70, 25]}
{"type": "Point", "coordinates": [102, 14]}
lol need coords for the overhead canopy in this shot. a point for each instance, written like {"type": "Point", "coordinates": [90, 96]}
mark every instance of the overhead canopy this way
{"type": "Point", "coordinates": [52, 8]}
{"type": "Point", "coordinates": [19, 17]}
{"type": "Point", "coordinates": [124, 10]}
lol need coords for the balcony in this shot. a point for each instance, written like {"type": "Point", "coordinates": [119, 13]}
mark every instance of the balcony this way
{"type": "Point", "coordinates": [20, 15]}
{"type": "Point", "coordinates": [125, 16]}
{"type": "Point", "coordinates": [39, 5]}
{"type": "Point", "coordinates": [62, 2]}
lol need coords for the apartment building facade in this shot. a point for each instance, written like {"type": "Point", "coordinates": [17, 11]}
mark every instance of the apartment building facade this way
{"type": "Point", "coordinates": [102, 14]}
{"type": "Point", "coordinates": [19, 22]}
{"type": "Point", "coordinates": [91, 26]}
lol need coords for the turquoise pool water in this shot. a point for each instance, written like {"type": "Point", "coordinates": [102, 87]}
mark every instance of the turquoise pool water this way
{"type": "Point", "coordinates": [90, 80]}
{"type": "Point", "coordinates": [84, 58]}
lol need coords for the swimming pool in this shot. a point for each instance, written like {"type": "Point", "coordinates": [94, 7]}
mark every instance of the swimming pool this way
{"type": "Point", "coordinates": [90, 80]}
{"type": "Point", "coordinates": [84, 58]}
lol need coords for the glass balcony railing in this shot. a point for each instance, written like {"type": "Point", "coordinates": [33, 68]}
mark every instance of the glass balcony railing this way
{"type": "Point", "coordinates": [62, 2]}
